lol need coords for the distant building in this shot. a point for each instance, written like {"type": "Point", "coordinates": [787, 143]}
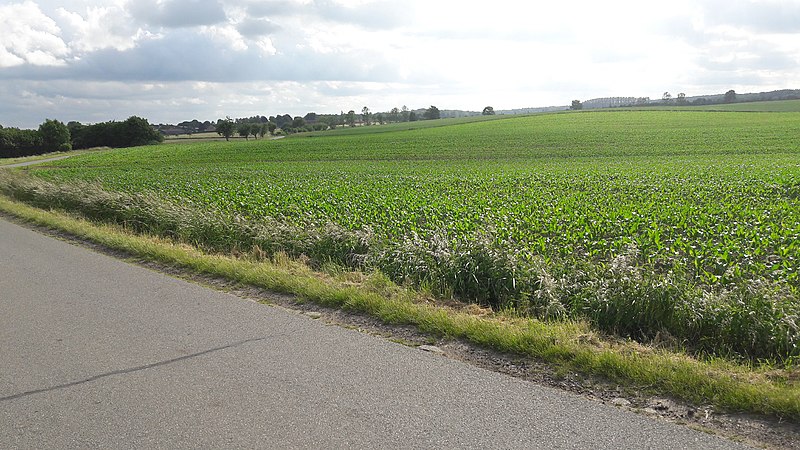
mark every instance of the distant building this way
{"type": "Point", "coordinates": [173, 131]}
{"type": "Point", "coordinates": [614, 102]}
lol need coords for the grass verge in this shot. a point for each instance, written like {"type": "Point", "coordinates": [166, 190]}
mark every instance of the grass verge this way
{"type": "Point", "coordinates": [570, 345]}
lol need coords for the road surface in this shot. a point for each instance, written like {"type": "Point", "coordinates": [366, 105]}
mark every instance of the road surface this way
{"type": "Point", "coordinates": [99, 353]}
{"type": "Point", "coordinates": [30, 163]}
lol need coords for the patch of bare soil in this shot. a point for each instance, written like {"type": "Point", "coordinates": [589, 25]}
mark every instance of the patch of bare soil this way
{"type": "Point", "coordinates": [757, 431]}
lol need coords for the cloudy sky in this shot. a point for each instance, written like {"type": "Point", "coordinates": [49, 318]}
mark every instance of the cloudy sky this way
{"type": "Point", "coordinates": [175, 60]}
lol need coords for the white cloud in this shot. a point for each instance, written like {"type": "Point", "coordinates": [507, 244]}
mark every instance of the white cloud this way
{"type": "Point", "coordinates": [27, 35]}
{"type": "Point", "coordinates": [101, 27]}
{"type": "Point", "coordinates": [266, 46]}
{"type": "Point", "coordinates": [227, 36]}
{"type": "Point", "coordinates": [772, 16]}
{"type": "Point", "coordinates": [8, 59]}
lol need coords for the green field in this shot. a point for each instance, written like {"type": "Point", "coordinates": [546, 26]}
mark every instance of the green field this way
{"type": "Point", "coordinates": [771, 106]}
{"type": "Point", "coordinates": [766, 106]}
{"type": "Point", "coordinates": [645, 223]}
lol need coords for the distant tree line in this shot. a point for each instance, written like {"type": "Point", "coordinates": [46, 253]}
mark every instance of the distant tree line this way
{"type": "Point", "coordinates": [365, 118]}
{"type": "Point", "coordinates": [254, 127]}
{"type": "Point", "coordinates": [259, 126]}
{"type": "Point", "coordinates": [53, 135]}
{"type": "Point", "coordinates": [682, 100]}
{"type": "Point", "coordinates": [728, 97]}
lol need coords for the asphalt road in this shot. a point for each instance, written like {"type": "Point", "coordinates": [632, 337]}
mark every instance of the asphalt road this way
{"type": "Point", "coordinates": [99, 353]}
{"type": "Point", "coordinates": [30, 163]}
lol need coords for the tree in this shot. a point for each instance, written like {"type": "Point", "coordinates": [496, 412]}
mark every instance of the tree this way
{"type": "Point", "coordinates": [366, 115]}
{"type": "Point", "coordinates": [351, 118]}
{"type": "Point", "coordinates": [282, 121]}
{"type": "Point", "coordinates": [394, 115]}
{"type": "Point", "coordinates": [730, 96]}
{"type": "Point", "coordinates": [15, 142]}
{"type": "Point", "coordinates": [225, 127]}
{"type": "Point", "coordinates": [667, 97]}
{"type": "Point", "coordinates": [244, 130]}
{"type": "Point", "coordinates": [272, 126]}
{"type": "Point", "coordinates": [412, 116]}
{"type": "Point", "coordinates": [404, 114]}
{"type": "Point", "coordinates": [55, 136]}
{"type": "Point", "coordinates": [298, 122]}
{"type": "Point", "coordinates": [136, 131]}
{"type": "Point", "coordinates": [129, 133]}
{"type": "Point", "coordinates": [263, 129]}
{"type": "Point", "coordinates": [681, 98]}
{"type": "Point", "coordinates": [432, 113]}
{"type": "Point", "coordinates": [576, 105]}
{"type": "Point", "coordinates": [488, 111]}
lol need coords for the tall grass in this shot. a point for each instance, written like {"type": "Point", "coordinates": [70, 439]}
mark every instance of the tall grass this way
{"type": "Point", "coordinates": [754, 319]}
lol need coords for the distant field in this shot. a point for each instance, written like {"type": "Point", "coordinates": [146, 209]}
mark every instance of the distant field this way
{"type": "Point", "coordinates": [772, 106]}
{"type": "Point", "coordinates": [775, 106]}
{"type": "Point", "coordinates": [184, 138]}
{"type": "Point", "coordinates": [641, 221]}
{"type": "Point", "coordinates": [194, 136]}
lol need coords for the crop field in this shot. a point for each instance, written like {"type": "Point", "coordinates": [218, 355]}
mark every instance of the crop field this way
{"type": "Point", "coordinates": [648, 224]}
{"type": "Point", "coordinates": [765, 106]}
{"type": "Point", "coordinates": [773, 106]}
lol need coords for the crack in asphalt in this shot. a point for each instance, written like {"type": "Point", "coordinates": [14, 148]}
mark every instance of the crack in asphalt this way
{"type": "Point", "coordinates": [130, 370]}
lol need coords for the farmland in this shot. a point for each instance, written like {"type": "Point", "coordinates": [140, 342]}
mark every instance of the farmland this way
{"type": "Point", "coordinates": [773, 106]}
{"type": "Point", "coordinates": [644, 223]}
{"type": "Point", "coordinates": [763, 106]}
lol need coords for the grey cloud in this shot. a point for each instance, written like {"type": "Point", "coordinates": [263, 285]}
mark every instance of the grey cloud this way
{"type": "Point", "coordinates": [376, 15]}
{"type": "Point", "coordinates": [706, 81]}
{"type": "Point", "coordinates": [27, 103]}
{"type": "Point", "coordinates": [757, 55]}
{"type": "Point", "coordinates": [177, 13]}
{"type": "Point", "coordinates": [183, 55]}
{"type": "Point", "coordinates": [382, 14]}
{"type": "Point", "coordinates": [718, 52]}
{"type": "Point", "coordinates": [257, 27]}
{"type": "Point", "coordinates": [682, 28]}
{"type": "Point", "coordinates": [95, 91]}
{"type": "Point", "coordinates": [765, 16]}
{"type": "Point", "coordinates": [490, 33]}
{"type": "Point", "coordinates": [275, 8]}
{"type": "Point", "coordinates": [340, 90]}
